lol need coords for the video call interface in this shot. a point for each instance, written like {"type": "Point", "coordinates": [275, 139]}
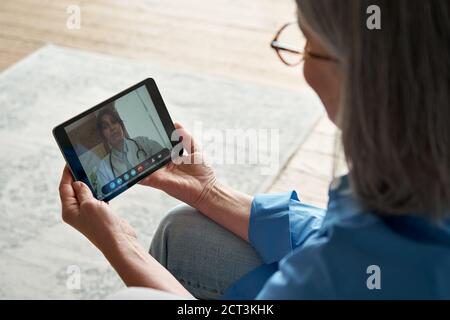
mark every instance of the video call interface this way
{"type": "Point", "coordinates": [120, 141]}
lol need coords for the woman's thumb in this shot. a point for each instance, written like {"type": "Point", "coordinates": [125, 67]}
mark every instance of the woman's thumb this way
{"type": "Point", "coordinates": [82, 191]}
{"type": "Point", "coordinates": [188, 141]}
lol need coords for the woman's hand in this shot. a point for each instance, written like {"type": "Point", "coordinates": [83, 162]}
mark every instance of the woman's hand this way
{"type": "Point", "coordinates": [190, 179]}
{"type": "Point", "coordinates": [114, 237]}
{"type": "Point", "coordinates": [91, 217]}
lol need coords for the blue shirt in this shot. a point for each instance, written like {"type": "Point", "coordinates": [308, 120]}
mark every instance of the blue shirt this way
{"type": "Point", "coordinates": [344, 252]}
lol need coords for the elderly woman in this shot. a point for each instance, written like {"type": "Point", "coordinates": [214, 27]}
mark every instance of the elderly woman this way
{"type": "Point", "coordinates": [386, 230]}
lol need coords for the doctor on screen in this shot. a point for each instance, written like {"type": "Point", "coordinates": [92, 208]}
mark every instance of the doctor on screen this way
{"type": "Point", "coordinates": [123, 152]}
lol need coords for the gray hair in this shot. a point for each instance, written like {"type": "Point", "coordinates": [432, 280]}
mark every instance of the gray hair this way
{"type": "Point", "coordinates": [394, 110]}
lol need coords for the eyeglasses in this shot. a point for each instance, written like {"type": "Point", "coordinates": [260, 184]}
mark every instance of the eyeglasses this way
{"type": "Point", "coordinates": [292, 47]}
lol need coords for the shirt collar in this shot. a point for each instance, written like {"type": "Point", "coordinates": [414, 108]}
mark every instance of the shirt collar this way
{"type": "Point", "coordinates": [120, 153]}
{"type": "Point", "coordinates": [344, 207]}
{"type": "Point", "coordinates": [341, 196]}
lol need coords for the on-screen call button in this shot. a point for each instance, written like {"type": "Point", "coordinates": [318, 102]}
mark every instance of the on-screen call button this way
{"type": "Point", "coordinates": [133, 172]}
{"type": "Point", "coordinates": [112, 185]}
{"type": "Point", "coordinates": [126, 177]}
{"type": "Point", "coordinates": [119, 181]}
{"type": "Point", "coordinates": [140, 168]}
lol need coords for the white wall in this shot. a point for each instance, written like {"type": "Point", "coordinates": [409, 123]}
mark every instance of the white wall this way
{"type": "Point", "coordinates": [140, 117]}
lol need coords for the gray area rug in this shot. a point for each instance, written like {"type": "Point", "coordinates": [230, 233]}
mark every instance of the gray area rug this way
{"type": "Point", "coordinates": [53, 84]}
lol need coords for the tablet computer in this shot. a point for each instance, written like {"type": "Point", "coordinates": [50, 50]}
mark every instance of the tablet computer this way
{"type": "Point", "coordinates": [118, 142]}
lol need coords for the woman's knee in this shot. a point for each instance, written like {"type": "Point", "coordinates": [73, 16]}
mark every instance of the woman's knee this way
{"type": "Point", "coordinates": [172, 227]}
{"type": "Point", "coordinates": [177, 218]}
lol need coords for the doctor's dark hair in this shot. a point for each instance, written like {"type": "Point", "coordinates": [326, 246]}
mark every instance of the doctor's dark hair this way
{"type": "Point", "coordinates": [110, 111]}
{"type": "Point", "coordinates": [395, 106]}
{"type": "Point", "coordinates": [114, 116]}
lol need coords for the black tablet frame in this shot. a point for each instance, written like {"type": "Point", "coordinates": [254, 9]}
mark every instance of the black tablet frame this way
{"type": "Point", "coordinates": [68, 151]}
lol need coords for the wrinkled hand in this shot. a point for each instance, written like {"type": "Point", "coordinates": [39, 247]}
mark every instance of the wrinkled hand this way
{"type": "Point", "coordinates": [189, 179]}
{"type": "Point", "coordinates": [91, 217]}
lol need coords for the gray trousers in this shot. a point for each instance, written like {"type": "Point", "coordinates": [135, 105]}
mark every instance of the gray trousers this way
{"type": "Point", "coordinates": [205, 257]}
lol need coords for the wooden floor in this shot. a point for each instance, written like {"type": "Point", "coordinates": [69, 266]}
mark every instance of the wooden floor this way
{"type": "Point", "coordinates": [229, 38]}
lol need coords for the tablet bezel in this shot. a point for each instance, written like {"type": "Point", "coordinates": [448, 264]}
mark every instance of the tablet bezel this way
{"type": "Point", "coordinates": [72, 160]}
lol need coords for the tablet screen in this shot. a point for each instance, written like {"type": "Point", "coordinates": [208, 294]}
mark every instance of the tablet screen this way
{"type": "Point", "coordinates": [119, 141]}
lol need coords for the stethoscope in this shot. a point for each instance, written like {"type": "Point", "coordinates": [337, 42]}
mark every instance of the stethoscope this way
{"type": "Point", "coordinates": [139, 149]}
